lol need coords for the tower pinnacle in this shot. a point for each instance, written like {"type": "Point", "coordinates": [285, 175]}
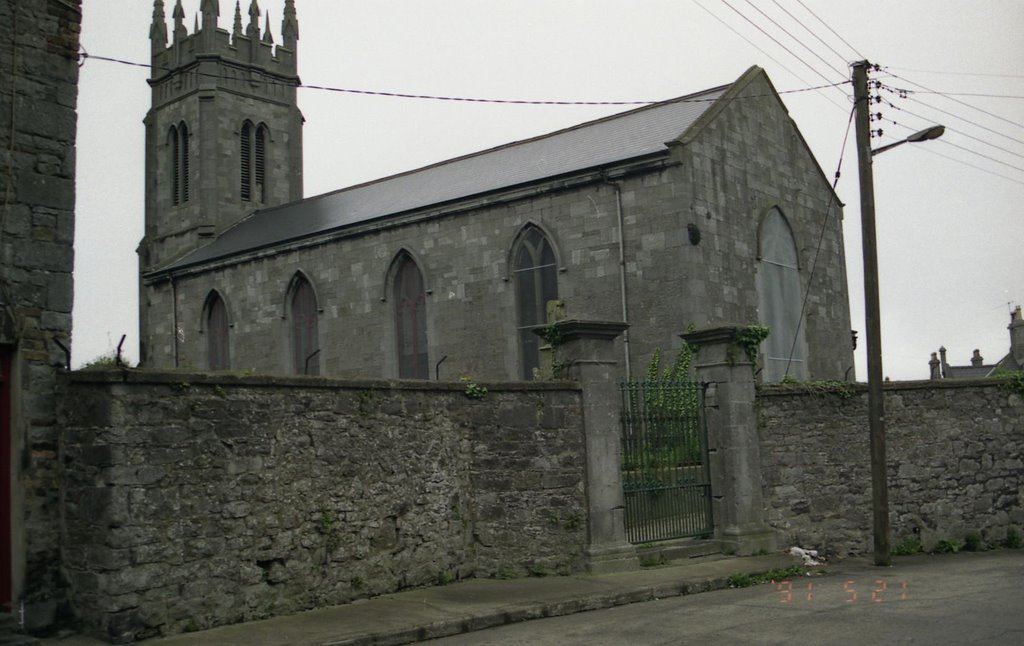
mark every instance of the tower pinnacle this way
{"type": "Point", "coordinates": [253, 30]}
{"type": "Point", "coordinates": [158, 29]}
{"type": "Point", "coordinates": [211, 11]}
{"type": "Point", "coordinates": [237, 31]}
{"type": "Point", "coordinates": [290, 25]}
{"type": "Point", "coordinates": [179, 23]}
{"type": "Point", "coordinates": [268, 38]}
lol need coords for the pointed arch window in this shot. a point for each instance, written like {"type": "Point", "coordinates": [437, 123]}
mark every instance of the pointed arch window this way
{"type": "Point", "coordinates": [218, 355]}
{"type": "Point", "coordinates": [253, 159]}
{"type": "Point", "coordinates": [778, 288]}
{"type": "Point", "coordinates": [304, 329]}
{"type": "Point", "coordinates": [410, 299]}
{"type": "Point", "coordinates": [536, 282]}
{"type": "Point", "coordinates": [177, 141]}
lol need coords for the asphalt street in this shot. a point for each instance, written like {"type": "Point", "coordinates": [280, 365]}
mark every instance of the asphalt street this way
{"type": "Point", "coordinates": [950, 599]}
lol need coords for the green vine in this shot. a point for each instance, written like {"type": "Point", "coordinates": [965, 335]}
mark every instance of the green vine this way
{"type": "Point", "coordinates": [749, 340]}
{"type": "Point", "coordinates": [473, 390]}
{"type": "Point", "coordinates": [1014, 381]}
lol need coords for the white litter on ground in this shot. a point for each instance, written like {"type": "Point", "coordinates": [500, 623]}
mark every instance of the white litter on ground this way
{"type": "Point", "coordinates": [810, 557]}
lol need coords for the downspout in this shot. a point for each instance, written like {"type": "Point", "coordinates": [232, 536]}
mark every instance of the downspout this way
{"type": "Point", "coordinates": [174, 304]}
{"type": "Point", "coordinates": [622, 273]}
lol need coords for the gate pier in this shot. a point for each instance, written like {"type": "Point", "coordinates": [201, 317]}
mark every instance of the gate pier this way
{"type": "Point", "coordinates": [734, 452]}
{"type": "Point", "coordinates": [586, 352]}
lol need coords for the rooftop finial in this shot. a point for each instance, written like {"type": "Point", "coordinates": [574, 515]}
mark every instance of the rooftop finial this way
{"type": "Point", "coordinates": [179, 22]}
{"type": "Point", "coordinates": [211, 11]}
{"type": "Point", "coordinates": [290, 25]}
{"type": "Point", "coordinates": [238, 20]}
{"type": "Point", "coordinates": [253, 30]}
{"type": "Point", "coordinates": [268, 38]}
{"type": "Point", "coordinates": [158, 30]}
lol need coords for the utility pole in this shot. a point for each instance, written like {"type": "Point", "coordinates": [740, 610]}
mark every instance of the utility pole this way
{"type": "Point", "coordinates": [876, 404]}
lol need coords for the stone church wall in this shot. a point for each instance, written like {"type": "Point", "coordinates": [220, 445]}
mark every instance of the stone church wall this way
{"type": "Point", "coordinates": [955, 463]}
{"type": "Point", "coordinates": [197, 500]}
{"type": "Point", "coordinates": [722, 182]}
{"type": "Point", "coordinates": [38, 99]}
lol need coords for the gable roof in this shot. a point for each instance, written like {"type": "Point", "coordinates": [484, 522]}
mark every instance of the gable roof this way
{"type": "Point", "coordinates": [607, 141]}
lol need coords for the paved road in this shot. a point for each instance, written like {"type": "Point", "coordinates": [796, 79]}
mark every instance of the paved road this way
{"type": "Point", "coordinates": [933, 600]}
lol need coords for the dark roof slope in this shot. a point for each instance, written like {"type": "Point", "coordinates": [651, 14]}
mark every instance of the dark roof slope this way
{"type": "Point", "coordinates": [610, 140]}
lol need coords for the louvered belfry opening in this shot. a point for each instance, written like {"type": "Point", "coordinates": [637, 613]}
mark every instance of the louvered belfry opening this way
{"type": "Point", "coordinates": [183, 133]}
{"type": "Point", "coordinates": [246, 154]}
{"type": "Point", "coordinates": [253, 153]}
{"type": "Point", "coordinates": [259, 170]}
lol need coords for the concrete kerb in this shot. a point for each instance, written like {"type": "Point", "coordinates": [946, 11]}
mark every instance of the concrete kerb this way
{"type": "Point", "coordinates": [470, 605]}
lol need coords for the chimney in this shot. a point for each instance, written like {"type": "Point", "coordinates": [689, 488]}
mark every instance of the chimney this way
{"type": "Point", "coordinates": [1016, 328]}
{"type": "Point", "coordinates": [942, 360]}
{"type": "Point", "coordinates": [976, 360]}
{"type": "Point", "coordinates": [933, 367]}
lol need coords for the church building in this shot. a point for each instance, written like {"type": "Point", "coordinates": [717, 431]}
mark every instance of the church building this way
{"type": "Point", "coordinates": [702, 210]}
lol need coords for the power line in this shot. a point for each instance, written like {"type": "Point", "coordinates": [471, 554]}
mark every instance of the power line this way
{"type": "Point", "coordinates": [964, 103]}
{"type": "Point", "coordinates": [799, 42]}
{"type": "Point", "coordinates": [959, 132]}
{"type": "Point", "coordinates": [965, 119]}
{"type": "Point", "coordinates": [949, 73]}
{"type": "Point", "coordinates": [751, 43]}
{"type": "Point", "coordinates": [852, 48]}
{"type": "Point", "coordinates": [981, 94]}
{"type": "Point", "coordinates": [774, 40]}
{"type": "Point", "coordinates": [932, 151]}
{"type": "Point", "coordinates": [821, 238]}
{"type": "Point", "coordinates": [809, 30]}
{"type": "Point", "coordinates": [404, 95]}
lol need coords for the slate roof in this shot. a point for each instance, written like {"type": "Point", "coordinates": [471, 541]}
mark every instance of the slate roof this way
{"type": "Point", "coordinates": [606, 141]}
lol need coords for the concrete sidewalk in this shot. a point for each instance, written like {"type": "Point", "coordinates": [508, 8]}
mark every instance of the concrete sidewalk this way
{"type": "Point", "coordinates": [475, 604]}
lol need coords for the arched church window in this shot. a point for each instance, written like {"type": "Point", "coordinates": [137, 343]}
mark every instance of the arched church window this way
{"type": "Point", "coordinates": [778, 288]}
{"type": "Point", "coordinates": [410, 320]}
{"type": "Point", "coordinates": [253, 156]}
{"type": "Point", "coordinates": [218, 355]}
{"type": "Point", "coordinates": [304, 330]}
{"type": "Point", "coordinates": [536, 282]}
{"type": "Point", "coordinates": [177, 141]}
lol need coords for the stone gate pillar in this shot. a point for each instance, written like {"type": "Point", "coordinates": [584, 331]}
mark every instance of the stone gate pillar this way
{"type": "Point", "coordinates": [585, 352]}
{"type": "Point", "coordinates": [733, 447]}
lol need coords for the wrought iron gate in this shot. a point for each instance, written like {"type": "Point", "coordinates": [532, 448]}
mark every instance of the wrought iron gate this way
{"type": "Point", "coordinates": [665, 475]}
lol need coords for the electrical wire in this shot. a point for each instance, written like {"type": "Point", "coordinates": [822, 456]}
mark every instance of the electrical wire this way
{"type": "Point", "coordinates": [86, 56]}
{"type": "Point", "coordinates": [821, 238]}
{"type": "Point", "coordinates": [964, 103]}
{"type": "Point", "coordinates": [809, 30]}
{"type": "Point", "coordinates": [770, 57]}
{"type": "Point", "coordinates": [966, 120]}
{"type": "Point", "coordinates": [775, 40]}
{"type": "Point", "coordinates": [852, 48]}
{"type": "Point", "coordinates": [948, 73]}
{"type": "Point", "coordinates": [959, 132]}
{"type": "Point", "coordinates": [798, 41]}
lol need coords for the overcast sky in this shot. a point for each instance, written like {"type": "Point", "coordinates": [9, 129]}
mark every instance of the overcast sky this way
{"type": "Point", "coordinates": [950, 212]}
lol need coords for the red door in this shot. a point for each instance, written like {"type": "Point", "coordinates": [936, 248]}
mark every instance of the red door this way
{"type": "Point", "coordinates": [5, 479]}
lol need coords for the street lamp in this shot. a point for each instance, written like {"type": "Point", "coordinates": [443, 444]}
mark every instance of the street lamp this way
{"type": "Point", "coordinates": [921, 135]}
{"type": "Point", "coordinates": [873, 332]}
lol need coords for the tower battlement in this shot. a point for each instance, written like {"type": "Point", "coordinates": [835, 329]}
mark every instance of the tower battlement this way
{"type": "Point", "coordinates": [243, 55]}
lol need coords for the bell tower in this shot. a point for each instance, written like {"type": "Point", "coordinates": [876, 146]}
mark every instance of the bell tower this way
{"type": "Point", "coordinates": [224, 132]}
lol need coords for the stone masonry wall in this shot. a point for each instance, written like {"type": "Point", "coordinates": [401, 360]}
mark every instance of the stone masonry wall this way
{"type": "Point", "coordinates": [955, 462]}
{"type": "Point", "coordinates": [38, 98]}
{"type": "Point", "coordinates": [193, 501]}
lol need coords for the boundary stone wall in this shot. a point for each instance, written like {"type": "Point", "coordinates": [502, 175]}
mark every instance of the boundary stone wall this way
{"type": "Point", "coordinates": [195, 500]}
{"type": "Point", "coordinates": [955, 463]}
